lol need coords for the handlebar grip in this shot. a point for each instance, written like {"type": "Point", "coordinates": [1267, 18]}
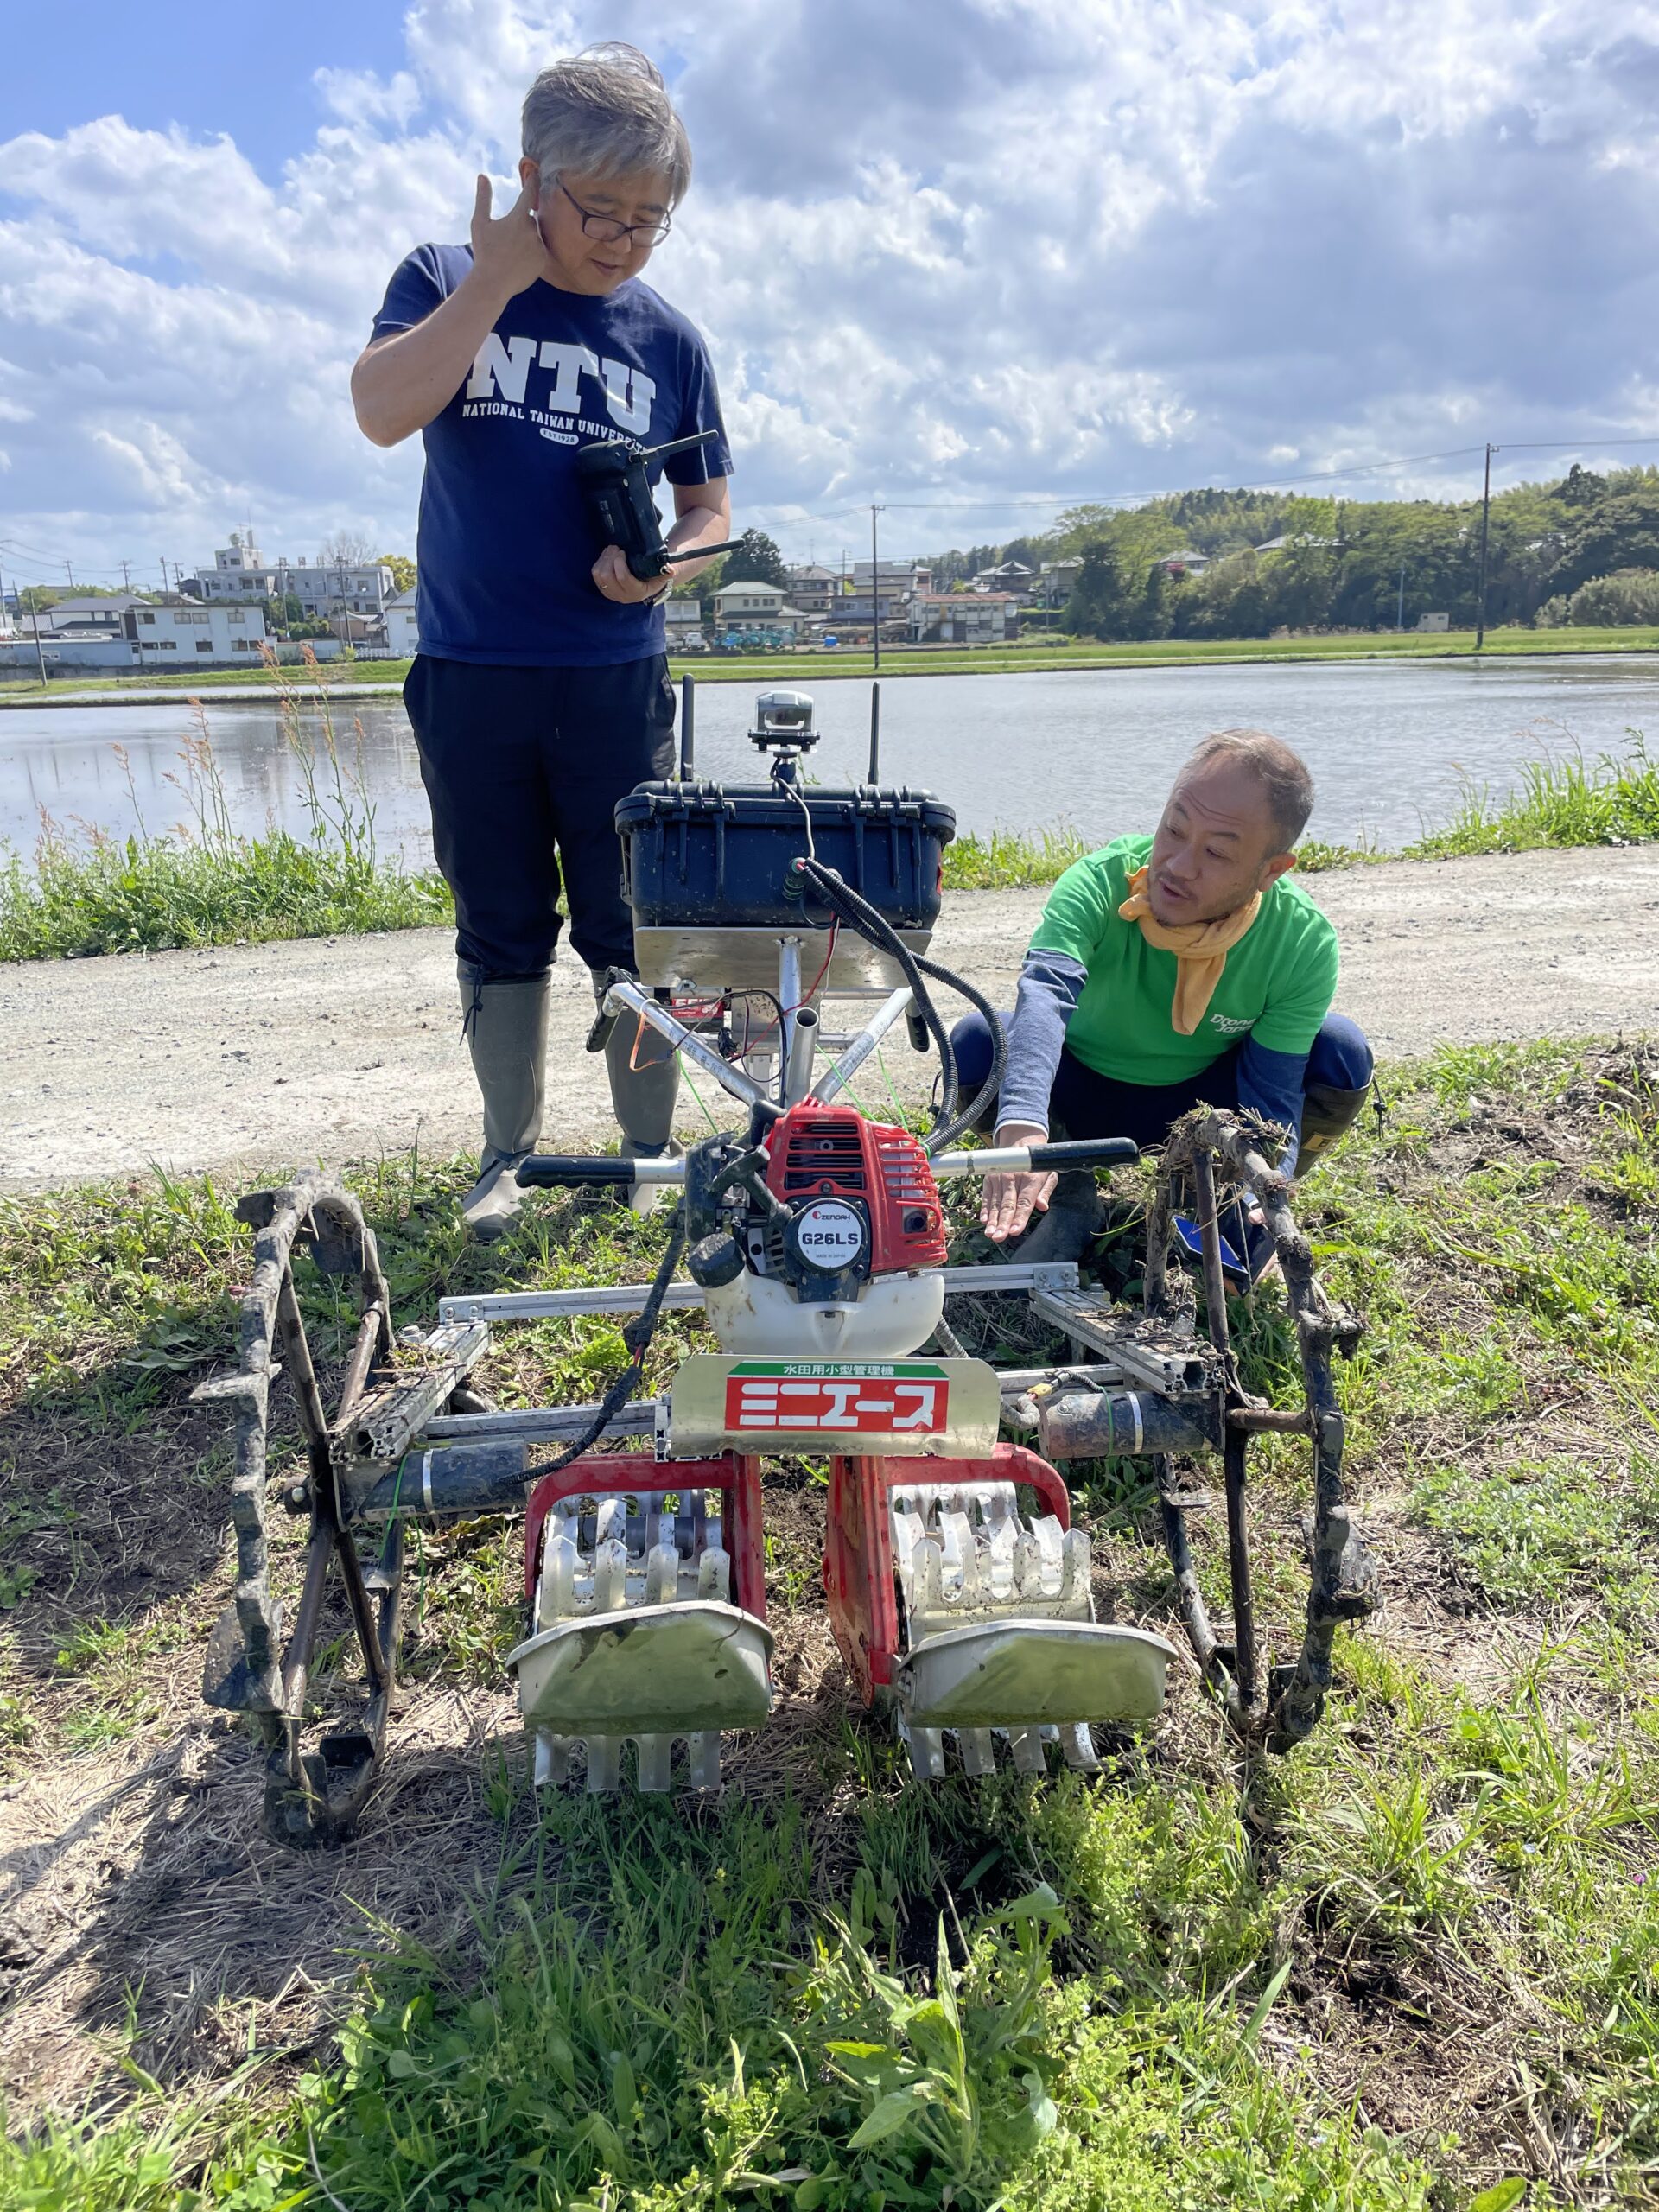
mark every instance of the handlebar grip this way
{"type": "Point", "coordinates": [1086, 1152]}
{"type": "Point", "coordinates": [557, 1171]}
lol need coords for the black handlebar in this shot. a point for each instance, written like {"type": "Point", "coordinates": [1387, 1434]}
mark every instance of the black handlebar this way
{"type": "Point", "coordinates": [558, 1171]}
{"type": "Point", "coordinates": [1087, 1152]}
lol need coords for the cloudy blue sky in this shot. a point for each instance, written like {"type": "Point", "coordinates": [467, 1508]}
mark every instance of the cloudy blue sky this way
{"type": "Point", "coordinates": [975, 259]}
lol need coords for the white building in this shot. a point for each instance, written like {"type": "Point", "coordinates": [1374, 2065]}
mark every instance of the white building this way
{"type": "Point", "coordinates": [964, 618]}
{"type": "Point", "coordinates": [756, 606]}
{"type": "Point", "coordinates": [241, 573]}
{"type": "Point", "coordinates": [108, 615]}
{"type": "Point", "coordinates": [183, 630]}
{"type": "Point", "coordinates": [683, 619]}
{"type": "Point", "coordinates": [402, 638]}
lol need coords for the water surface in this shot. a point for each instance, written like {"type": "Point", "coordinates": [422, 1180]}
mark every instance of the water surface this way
{"type": "Point", "coordinates": [1389, 743]}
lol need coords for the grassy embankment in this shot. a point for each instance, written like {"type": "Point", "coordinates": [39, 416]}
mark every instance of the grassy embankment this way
{"type": "Point", "coordinates": [1024, 658]}
{"type": "Point", "coordinates": [1413, 1967]}
{"type": "Point", "coordinates": [216, 886]}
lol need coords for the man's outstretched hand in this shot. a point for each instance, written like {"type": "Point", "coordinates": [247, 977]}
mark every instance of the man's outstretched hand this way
{"type": "Point", "coordinates": [508, 255]}
{"type": "Point", "coordinates": [1009, 1201]}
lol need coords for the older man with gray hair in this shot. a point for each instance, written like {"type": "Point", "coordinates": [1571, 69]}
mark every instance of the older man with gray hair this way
{"type": "Point", "coordinates": [540, 695]}
{"type": "Point", "coordinates": [1184, 967]}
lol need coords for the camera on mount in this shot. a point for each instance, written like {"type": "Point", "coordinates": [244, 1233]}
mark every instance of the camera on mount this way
{"type": "Point", "coordinates": [615, 478]}
{"type": "Point", "coordinates": [783, 726]}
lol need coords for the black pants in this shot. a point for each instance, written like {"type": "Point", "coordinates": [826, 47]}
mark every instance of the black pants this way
{"type": "Point", "coordinates": [523, 767]}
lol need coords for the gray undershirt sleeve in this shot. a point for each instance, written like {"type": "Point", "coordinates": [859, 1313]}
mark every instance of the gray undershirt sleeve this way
{"type": "Point", "coordinates": [1051, 984]}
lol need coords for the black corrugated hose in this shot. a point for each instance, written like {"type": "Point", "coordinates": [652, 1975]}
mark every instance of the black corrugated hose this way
{"type": "Point", "coordinates": [857, 913]}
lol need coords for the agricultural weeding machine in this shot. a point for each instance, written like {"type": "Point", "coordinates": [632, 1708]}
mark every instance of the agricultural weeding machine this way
{"type": "Point", "coordinates": [814, 1243]}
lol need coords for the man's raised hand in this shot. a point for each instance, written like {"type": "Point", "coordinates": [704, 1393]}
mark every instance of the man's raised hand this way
{"type": "Point", "coordinates": [508, 255]}
{"type": "Point", "coordinates": [1009, 1201]}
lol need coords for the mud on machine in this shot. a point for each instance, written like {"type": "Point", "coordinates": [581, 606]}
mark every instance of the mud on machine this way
{"type": "Point", "coordinates": [814, 1242]}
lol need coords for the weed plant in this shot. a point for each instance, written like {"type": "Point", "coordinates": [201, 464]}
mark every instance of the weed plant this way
{"type": "Point", "coordinates": [206, 882]}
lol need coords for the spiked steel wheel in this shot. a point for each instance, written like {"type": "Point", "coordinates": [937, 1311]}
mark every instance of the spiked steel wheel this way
{"type": "Point", "coordinates": [313, 1791]}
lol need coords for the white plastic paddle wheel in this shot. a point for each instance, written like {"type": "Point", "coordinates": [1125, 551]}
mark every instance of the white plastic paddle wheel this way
{"type": "Point", "coordinates": [634, 1637]}
{"type": "Point", "coordinates": [1001, 1636]}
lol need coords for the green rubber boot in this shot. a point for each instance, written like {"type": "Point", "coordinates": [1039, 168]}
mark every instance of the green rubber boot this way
{"type": "Point", "coordinates": [1076, 1215]}
{"type": "Point", "coordinates": [505, 1026]}
{"type": "Point", "coordinates": [645, 1085]}
{"type": "Point", "coordinates": [1327, 1117]}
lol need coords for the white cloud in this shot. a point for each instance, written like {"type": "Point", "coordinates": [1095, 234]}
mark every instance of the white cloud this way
{"type": "Point", "coordinates": [963, 250]}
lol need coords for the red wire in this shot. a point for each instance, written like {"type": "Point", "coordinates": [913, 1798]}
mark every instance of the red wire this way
{"type": "Point", "coordinates": [806, 997]}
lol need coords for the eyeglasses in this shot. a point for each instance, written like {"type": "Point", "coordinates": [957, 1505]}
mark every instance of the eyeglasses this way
{"type": "Point", "coordinates": [609, 231]}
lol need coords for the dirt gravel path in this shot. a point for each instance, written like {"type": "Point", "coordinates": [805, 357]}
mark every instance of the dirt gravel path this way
{"type": "Point", "coordinates": [337, 1048]}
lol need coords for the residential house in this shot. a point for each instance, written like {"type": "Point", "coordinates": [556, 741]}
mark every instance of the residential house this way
{"type": "Point", "coordinates": [107, 615]}
{"type": "Point", "coordinates": [175, 631]}
{"type": "Point", "coordinates": [1009, 576]}
{"type": "Point", "coordinates": [402, 638]}
{"type": "Point", "coordinates": [963, 618]}
{"type": "Point", "coordinates": [1055, 579]}
{"type": "Point", "coordinates": [898, 582]}
{"type": "Point", "coordinates": [814, 589]}
{"type": "Point", "coordinates": [1186, 564]}
{"type": "Point", "coordinates": [757, 606]}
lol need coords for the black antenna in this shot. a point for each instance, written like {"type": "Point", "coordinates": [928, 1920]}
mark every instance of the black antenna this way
{"type": "Point", "coordinates": [688, 726]}
{"type": "Point", "coordinates": [875, 732]}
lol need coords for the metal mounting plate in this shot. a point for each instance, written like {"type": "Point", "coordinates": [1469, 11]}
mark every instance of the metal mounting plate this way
{"type": "Point", "coordinates": [946, 1409]}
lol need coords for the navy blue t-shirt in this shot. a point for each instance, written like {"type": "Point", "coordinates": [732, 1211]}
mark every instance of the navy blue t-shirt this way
{"type": "Point", "coordinates": [507, 543]}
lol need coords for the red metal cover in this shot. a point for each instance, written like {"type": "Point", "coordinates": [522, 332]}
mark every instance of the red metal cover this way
{"type": "Point", "coordinates": [815, 1150]}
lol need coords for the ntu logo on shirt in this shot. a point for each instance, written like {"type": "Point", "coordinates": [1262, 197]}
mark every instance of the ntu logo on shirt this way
{"type": "Point", "coordinates": [502, 372]}
{"type": "Point", "coordinates": [1230, 1024]}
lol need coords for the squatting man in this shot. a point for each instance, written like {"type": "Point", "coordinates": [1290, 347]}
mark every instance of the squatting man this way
{"type": "Point", "coordinates": [540, 694]}
{"type": "Point", "coordinates": [1167, 970]}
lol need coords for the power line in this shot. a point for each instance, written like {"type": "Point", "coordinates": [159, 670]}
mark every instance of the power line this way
{"type": "Point", "coordinates": [1020, 503]}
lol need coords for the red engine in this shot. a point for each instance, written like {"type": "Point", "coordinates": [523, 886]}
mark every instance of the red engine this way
{"type": "Point", "coordinates": [833, 1151]}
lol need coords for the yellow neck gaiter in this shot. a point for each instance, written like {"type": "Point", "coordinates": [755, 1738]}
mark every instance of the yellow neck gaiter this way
{"type": "Point", "coordinates": [1200, 948]}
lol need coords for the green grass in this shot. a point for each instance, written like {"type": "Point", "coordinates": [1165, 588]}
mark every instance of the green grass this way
{"type": "Point", "coordinates": [1033, 653]}
{"type": "Point", "coordinates": [213, 885]}
{"type": "Point", "coordinates": [1414, 1967]}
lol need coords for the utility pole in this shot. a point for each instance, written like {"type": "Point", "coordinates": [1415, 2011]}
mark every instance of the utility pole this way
{"type": "Point", "coordinates": [1485, 523]}
{"type": "Point", "coordinates": [39, 655]}
{"type": "Point", "coordinates": [166, 586]}
{"type": "Point", "coordinates": [1399, 612]}
{"type": "Point", "coordinates": [126, 579]}
{"type": "Point", "coordinates": [875, 589]}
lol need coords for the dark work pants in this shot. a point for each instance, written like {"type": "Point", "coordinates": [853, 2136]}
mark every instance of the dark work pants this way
{"type": "Point", "coordinates": [523, 767]}
{"type": "Point", "coordinates": [1085, 1104]}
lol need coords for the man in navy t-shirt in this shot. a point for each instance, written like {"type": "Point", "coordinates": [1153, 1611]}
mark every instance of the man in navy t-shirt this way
{"type": "Point", "coordinates": [540, 695]}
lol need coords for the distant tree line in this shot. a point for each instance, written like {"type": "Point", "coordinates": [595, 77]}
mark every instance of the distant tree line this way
{"type": "Point", "coordinates": [1584, 549]}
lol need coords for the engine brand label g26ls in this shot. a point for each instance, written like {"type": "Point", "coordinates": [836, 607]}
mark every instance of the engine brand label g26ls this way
{"type": "Point", "coordinates": [830, 1234]}
{"type": "Point", "coordinates": [838, 1396]}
